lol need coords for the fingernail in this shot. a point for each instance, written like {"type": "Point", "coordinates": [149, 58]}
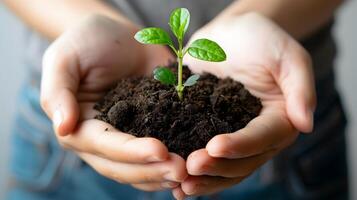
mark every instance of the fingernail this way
{"type": "Point", "coordinates": [169, 184]}
{"type": "Point", "coordinates": [57, 119]}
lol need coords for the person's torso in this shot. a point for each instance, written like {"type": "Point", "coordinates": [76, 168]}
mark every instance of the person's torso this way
{"type": "Point", "coordinates": [155, 13]}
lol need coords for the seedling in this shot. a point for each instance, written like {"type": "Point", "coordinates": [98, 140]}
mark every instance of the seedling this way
{"type": "Point", "coordinates": [203, 49]}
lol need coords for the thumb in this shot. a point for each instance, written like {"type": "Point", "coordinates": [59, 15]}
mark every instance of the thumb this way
{"type": "Point", "coordinates": [59, 84]}
{"type": "Point", "coordinates": [297, 84]}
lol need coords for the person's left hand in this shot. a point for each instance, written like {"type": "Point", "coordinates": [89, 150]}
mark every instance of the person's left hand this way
{"type": "Point", "coordinates": [78, 69]}
{"type": "Point", "coordinates": [274, 68]}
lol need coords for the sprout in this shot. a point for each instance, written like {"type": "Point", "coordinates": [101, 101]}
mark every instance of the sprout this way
{"type": "Point", "coordinates": [203, 49]}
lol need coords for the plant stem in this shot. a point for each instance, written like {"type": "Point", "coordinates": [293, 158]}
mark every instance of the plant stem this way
{"type": "Point", "coordinates": [180, 87]}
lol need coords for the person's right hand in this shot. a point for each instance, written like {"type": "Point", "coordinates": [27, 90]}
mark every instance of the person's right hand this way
{"type": "Point", "coordinates": [78, 68]}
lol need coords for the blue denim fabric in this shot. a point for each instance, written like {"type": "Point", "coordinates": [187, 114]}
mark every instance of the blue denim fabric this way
{"type": "Point", "coordinates": [40, 169]}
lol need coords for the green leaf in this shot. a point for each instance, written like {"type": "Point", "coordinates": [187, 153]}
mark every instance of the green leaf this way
{"type": "Point", "coordinates": [179, 21]}
{"type": "Point", "coordinates": [205, 49]}
{"type": "Point", "coordinates": [164, 75]}
{"type": "Point", "coordinates": [153, 35]}
{"type": "Point", "coordinates": [192, 80]}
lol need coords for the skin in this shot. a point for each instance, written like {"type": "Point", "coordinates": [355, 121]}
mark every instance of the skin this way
{"type": "Point", "coordinates": [300, 18]}
{"type": "Point", "coordinates": [86, 58]}
{"type": "Point", "coordinates": [53, 18]}
{"type": "Point", "coordinates": [273, 67]}
{"type": "Point", "coordinates": [85, 77]}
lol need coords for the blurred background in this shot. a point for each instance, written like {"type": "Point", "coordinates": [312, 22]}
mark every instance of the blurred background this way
{"type": "Point", "coordinates": [13, 73]}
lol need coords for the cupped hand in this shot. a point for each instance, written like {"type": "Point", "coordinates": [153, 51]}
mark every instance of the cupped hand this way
{"type": "Point", "coordinates": [78, 68]}
{"type": "Point", "coordinates": [274, 68]}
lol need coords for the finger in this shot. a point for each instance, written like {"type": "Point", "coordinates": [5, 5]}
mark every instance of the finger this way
{"type": "Point", "coordinates": [172, 170]}
{"type": "Point", "coordinates": [158, 186]}
{"type": "Point", "coordinates": [178, 193]}
{"type": "Point", "coordinates": [87, 112]}
{"type": "Point", "coordinates": [200, 163]}
{"type": "Point", "coordinates": [205, 185]}
{"type": "Point", "coordinates": [89, 96]}
{"type": "Point", "coordinates": [269, 131]}
{"type": "Point", "coordinates": [297, 83]}
{"type": "Point", "coordinates": [100, 138]}
{"type": "Point", "coordinates": [60, 79]}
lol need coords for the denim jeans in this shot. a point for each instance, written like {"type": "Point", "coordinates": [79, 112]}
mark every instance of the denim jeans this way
{"type": "Point", "coordinates": [40, 169]}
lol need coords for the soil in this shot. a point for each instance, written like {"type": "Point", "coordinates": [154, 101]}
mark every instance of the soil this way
{"type": "Point", "coordinates": [144, 107]}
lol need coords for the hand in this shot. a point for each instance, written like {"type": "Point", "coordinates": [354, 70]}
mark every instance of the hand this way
{"type": "Point", "coordinates": [273, 67]}
{"type": "Point", "coordinates": [78, 68]}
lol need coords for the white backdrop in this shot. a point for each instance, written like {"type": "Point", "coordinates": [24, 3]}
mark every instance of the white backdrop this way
{"type": "Point", "coordinates": [12, 72]}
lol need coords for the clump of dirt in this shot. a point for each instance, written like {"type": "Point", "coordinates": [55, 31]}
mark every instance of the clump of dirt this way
{"type": "Point", "coordinates": [144, 107]}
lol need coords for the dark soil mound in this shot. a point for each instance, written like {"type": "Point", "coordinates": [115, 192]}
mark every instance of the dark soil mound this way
{"type": "Point", "coordinates": [144, 107]}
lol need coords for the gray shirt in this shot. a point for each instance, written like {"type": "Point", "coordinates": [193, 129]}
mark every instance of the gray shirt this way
{"type": "Point", "coordinates": [146, 13]}
{"type": "Point", "coordinates": [156, 12]}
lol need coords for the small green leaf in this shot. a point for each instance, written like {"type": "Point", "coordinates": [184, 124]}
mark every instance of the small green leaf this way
{"type": "Point", "coordinates": [153, 35]}
{"type": "Point", "coordinates": [207, 50]}
{"type": "Point", "coordinates": [191, 80]}
{"type": "Point", "coordinates": [179, 21]}
{"type": "Point", "coordinates": [164, 75]}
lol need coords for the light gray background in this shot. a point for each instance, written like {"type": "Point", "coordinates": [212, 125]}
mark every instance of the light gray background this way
{"type": "Point", "coordinates": [12, 73]}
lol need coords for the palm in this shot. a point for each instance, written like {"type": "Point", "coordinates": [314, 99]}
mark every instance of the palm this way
{"type": "Point", "coordinates": [257, 56]}
{"type": "Point", "coordinates": [274, 68]}
{"type": "Point", "coordinates": [106, 53]}
{"type": "Point", "coordinates": [254, 54]}
{"type": "Point", "coordinates": [79, 67]}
